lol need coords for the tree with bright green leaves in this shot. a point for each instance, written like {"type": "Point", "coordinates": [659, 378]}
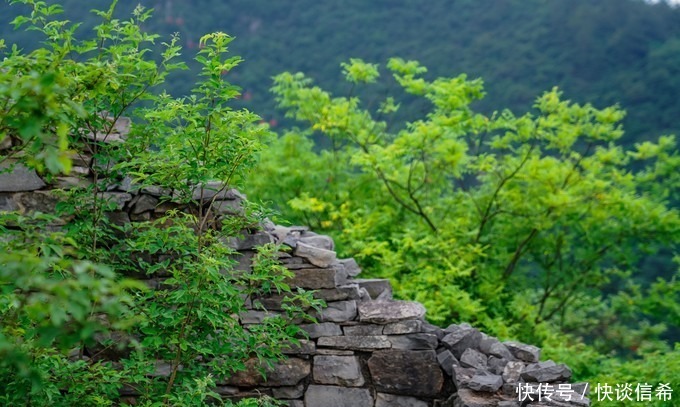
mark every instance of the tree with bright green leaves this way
{"type": "Point", "coordinates": [77, 328]}
{"type": "Point", "coordinates": [529, 227]}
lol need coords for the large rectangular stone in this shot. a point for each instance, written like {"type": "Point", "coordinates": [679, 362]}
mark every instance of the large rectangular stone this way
{"type": "Point", "coordinates": [333, 396]}
{"type": "Point", "coordinates": [323, 329]}
{"type": "Point", "coordinates": [355, 342]}
{"type": "Point", "coordinates": [314, 278]}
{"type": "Point", "coordinates": [419, 341]}
{"type": "Point", "coordinates": [338, 370]}
{"type": "Point", "coordinates": [384, 312]}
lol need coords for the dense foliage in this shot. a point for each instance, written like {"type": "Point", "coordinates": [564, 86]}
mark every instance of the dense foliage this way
{"type": "Point", "coordinates": [529, 226]}
{"type": "Point", "coordinates": [603, 52]}
{"type": "Point", "coordinates": [75, 331]}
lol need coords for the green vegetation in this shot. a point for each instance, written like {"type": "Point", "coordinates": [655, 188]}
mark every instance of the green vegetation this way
{"type": "Point", "coordinates": [530, 227]}
{"type": "Point", "coordinates": [538, 226]}
{"type": "Point", "coordinates": [602, 52]}
{"type": "Point", "coordinates": [74, 331]}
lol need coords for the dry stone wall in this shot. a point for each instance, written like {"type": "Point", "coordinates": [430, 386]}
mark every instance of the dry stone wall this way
{"type": "Point", "coordinates": [367, 349]}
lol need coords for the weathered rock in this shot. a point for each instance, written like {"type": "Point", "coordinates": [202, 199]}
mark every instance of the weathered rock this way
{"type": "Point", "coordinates": [303, 347]}
{"type": "Point", "coordinates": [323, 329]}
{"type": "Point", "coordinates": [410, 326]}
{"type": "Point", "coordinates": [318, 241]}
{"type": "Point", "coordinates": [339, 311]}
{"type": "Point", "coordinates": [19, 178]}
{"type": "Point", "coordinates": [228, 207]}
{"type": "Point", "coordinates": [512, 372]}
{"type": "Point", "coordinates": [71, 182]}
{"type": "Point", "coordinates": [355, 342]}
{"type": "Point", "coordinates": [249, 241]}
{"type": "Point", "coordinates": [7, 204]}
{"type": "Point", "coordinates": [115, 200]}
{"type": "Point", "coordinates": [363, 330]}
{"type": "Point", "coordinates": [461, 339]}
{"type": "Point", "coordinates": [255, 317]}
{"type": "Point", "coordinates": [289, 392]}
{"type": "Point", "coordinates": [470, 398]}
{"type": "Point", "coordinates": [210, 190]}
{"type": "Point", "coordinates": [474, 359]}
{"type": "Point", "coordinates": [521, 351]}
{"type": "Point", "coordinates": [333, 396]}
{"type": "Point", "coordinates": [392, 400]}
{"type": "Point", "coordinates": [546, 372]}
{"type": "Point", "coordinates": [144, 203]}
{"type": "Point", "coordinates": [344, 292]}
{"type": "Point", "coordinates": [285, 373]}
{"type": "Point", "coordinates": [410, 373]}
{"type": "Point", "coordinates": [496, 364]}
{"type": "Point", "coordinates": [338, 370]}
{"type": "Point", "coordinates": [351, 266]}
{"type": "Point", "coordinates": [433, 329]}
{"type": "Point", "coordinates": [377, 288]}
{"type": "Point", "coordinates": [316, 256]}
{"type": "Point", "coordinates": [461, 376]}
{"type": "Point", "coordinates": [5, 142]}
{"type": "Point", "coordinates": [383, 312]}
{"type": "Point", "coordinates": [420, 341]}
{"type": "Point", "coordinates": [486, 382]}
{"type": "Point", "coordinates": [36, 201]}
{"type": "Point", "coordinates": [315, 279]}
{"type": "Point", "coordinates": [493, 347]}
{"type": "Point", "coordinates": [447, 361]}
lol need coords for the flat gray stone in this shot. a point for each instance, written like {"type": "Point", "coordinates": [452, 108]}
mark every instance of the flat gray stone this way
{"type": "Point", "coordinates": [315, 278]}
{"type": "Point", "coordinates": [392, 400]}
{"type": "Point", "coordinates": [363, 330]}
{"type": "Point", "coordinates": [333, 396]}
{"type": "Point", "coordinates": [384, 312]}
{"type": "Point", "coordinates": [527, 353]}
{"type": "Point", "coordinates": [323, 329]}
{"type": "Point", "coordinates": [228, 207]}
{"type": "Point", "coordinates": [420, 341]}
{"type": "Point", "coordinates": [343, 292]}
{"type": "Point", "coordinates": [355, 342]}
{"type": "Point", "coordinates": [546, 372]}
{"type": "Point", "coordinates": [339, 370]}
{"type": "Point", "coordinates": [485, 382]}
{"type": "Point", "coordinates": [474, 359]}
{"type": "Point", "coordinates": [318, 241]}
{"type": "Point", "coordinates": [410, 326]}
{"type": "Point", "coordinates": [19, 179]}
{"type": "Point", "coordinates": [316, 256]}
{"type": "Point", "coordinates": [339, 311]}
{"type": "Point", "coordinates": [407, 373]}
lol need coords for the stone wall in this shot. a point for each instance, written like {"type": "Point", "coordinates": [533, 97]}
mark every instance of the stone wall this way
{"type": "Point", "coordinates": [367, 350]}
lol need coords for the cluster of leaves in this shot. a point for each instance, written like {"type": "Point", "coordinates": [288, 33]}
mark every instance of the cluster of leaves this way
{"type": "Point", "coordinates": [521, 225]}
{"type": "Point", "coordinates": [77, 329]}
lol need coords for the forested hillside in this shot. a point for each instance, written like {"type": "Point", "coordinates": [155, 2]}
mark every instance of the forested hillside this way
{"type": "Point", "coordinates": [603, 52]}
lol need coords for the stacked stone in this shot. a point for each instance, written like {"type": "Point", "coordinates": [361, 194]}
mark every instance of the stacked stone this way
{"type": "Point", "coordinates": [367, 350]}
